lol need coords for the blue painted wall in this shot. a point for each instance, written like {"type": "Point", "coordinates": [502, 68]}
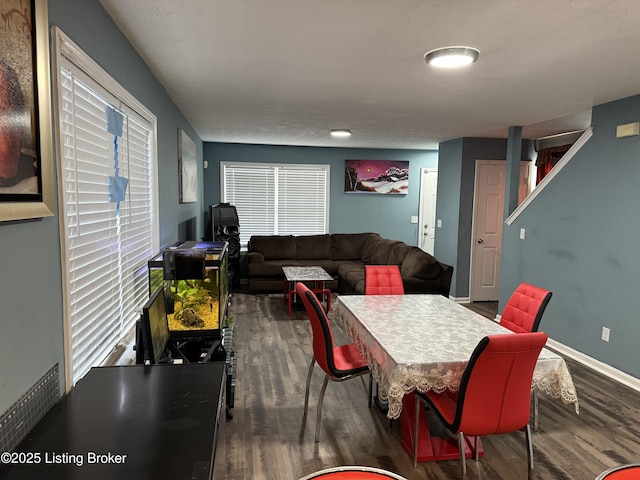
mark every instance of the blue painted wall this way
{"type": "Point", "coordinates": [582, 243]}
{"type": "Point", "coordinates": [456, 177]}
{"type": "Point", "coordinates": [388, 215]}
{"type": "Point", "coordinates": [31, 295]}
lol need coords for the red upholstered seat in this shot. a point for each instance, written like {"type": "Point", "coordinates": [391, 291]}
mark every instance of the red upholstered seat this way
{"type": "Point", "coordinates": [621, 472]}
{"type": "Point", "coordinates": [525, 307]}
{"type": "Point", "coordinates": [383, 280]}
{"type": "Point", "coordinates": [494, 394]}
{"type": "Point", "coordinates": [353, 473]}
{"type": "Point", "coordinates": [339, 363]}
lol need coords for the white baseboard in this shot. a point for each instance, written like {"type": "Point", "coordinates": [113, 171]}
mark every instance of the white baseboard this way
{"type": "Point", "coordinates": [600, 367]}
{"type": "Point", "coordinates": [460, 299]}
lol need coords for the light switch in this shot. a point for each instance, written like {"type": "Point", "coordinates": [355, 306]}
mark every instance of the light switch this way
{"type": "Point", "coordinates": [439, 223]}
{"type": "Point", "coordinates": [522, 234]}
{"type": "Point", "coordinates": [414, 219]}
{"type": "Point", "coordinates": [205, 164]}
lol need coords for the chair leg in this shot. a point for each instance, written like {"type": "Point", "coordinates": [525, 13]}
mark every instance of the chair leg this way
{"type": "Point", "coordinates": [463, 463]}
{"type": "Point", "coordinates": [370, 389]}
{"type": "Point", "coordinates": [306, 392]}
{"type": "Point", "coordinates": [527, 436]}
{"type": "Point", "coordinates": [534, 407]}
{"type": "Point", "coordinates": [319, 413]}
{"type": "Point", "coordinates": [416, 421]}
{"type": "Point", "coordinates": [476, 445]}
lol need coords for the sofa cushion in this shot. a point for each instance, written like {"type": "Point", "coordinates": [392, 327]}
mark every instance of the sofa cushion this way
{"type": "Point", "coordinates": [274, 247]}
{"type": "Point", "coordinates": [369, 246]}
{"type": "Point", "coordinates": [420, 264]}
{"type": "Point", "coordinates": [313, 247]}
{"type": "Point", "coordinates": [348, 246]}
{"type": "Point", "coordinates": [270, 269]}
{"type": "Point", "coordinates": [382, 252]}
{"type": "Point", "coordinates": [398, 253]}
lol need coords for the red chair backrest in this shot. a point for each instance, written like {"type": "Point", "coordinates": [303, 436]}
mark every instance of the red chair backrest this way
{"type": "Point", "coordinates": [322, 336]}
{"type": "Point", "coordinates": [525, 307]}
{"type": "Point", "coordinates": [383, 280]}
{"type": "Point", "coordinates": [495, 390]}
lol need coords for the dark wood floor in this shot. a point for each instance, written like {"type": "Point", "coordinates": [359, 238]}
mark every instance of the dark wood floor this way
{"type": "Point", "coordinates": [266, 438]}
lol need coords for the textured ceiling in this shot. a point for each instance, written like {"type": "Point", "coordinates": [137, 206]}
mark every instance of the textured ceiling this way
{"type": "Point", "coordinates": [285, 72]}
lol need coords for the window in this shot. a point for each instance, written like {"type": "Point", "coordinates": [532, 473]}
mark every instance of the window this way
{"type": "Point", "coordinates": [277, 199]}
{"type": "Point", "coordinates": [108, 208]}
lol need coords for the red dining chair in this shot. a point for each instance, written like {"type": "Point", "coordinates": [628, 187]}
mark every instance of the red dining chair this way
{"type": "Point", "coordinates": [523, 313]}
{"type": "Point", "coordinates": [382, 280]}
{"type": "Point", "coordinates": [339, 363]}
{"type": "Point", "coordinates": [524, 309]}
{"type": "Point", "coordinates": [353, 473]}
{"type": "Point", "coordinates": [494, 394]}
{"type": "Point", "coordinates": [621, 472]}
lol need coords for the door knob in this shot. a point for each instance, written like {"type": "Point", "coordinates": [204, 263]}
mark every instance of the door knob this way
{"type": "Point", "coordinates": [480, 240]}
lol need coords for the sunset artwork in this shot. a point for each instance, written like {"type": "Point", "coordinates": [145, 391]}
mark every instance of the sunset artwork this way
{"type": "Point", "coordinates": [376, 176]}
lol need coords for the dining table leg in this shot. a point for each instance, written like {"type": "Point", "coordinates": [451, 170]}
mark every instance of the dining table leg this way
{"type": "Point", "coordinates": [430, 448]}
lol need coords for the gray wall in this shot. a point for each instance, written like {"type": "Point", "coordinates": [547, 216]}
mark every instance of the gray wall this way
{"type": "Point", "coordinates": [582, 243]}
{"type": "Point", "coordinates": [31, 294]}
{"type": "Point", "coordinates": [388, 215]}
{"type": "Point", "coordinates": [456, 177]}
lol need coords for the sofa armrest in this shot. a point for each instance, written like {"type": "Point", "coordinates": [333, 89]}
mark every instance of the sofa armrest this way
{"type": "Point", "coordinates": [255, 257]}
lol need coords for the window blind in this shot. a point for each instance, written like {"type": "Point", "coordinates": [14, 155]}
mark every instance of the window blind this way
{"type": "Point", "coordinates": [108, 233]}
{"type": "Point", "coordinates": [277, 199]}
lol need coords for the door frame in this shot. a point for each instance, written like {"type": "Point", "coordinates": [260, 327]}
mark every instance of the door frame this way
{"type": "Point", "coordinates": [421, 213]}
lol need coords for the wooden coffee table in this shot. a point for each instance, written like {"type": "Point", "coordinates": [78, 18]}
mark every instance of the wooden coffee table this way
{"type": "Point", "coordinates": [315, 277]}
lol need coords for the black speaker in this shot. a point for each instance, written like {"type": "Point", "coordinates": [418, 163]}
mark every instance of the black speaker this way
{"type": "Point", "coordinates": [225, 227]}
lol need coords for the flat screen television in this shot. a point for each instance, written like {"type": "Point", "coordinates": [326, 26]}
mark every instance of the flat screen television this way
{"type": "Point", "coordinates": [154, 328]}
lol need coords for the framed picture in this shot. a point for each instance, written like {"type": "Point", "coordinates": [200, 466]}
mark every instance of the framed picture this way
{"type": "Point", "coordinates": [188, 168]}
{"type": "Point", "coordinates": [26, 146]}
{"type": "Point", "coordinates": [390, 177]}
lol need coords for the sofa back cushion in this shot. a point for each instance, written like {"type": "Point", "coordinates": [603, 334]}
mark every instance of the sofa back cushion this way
{"type": "Point", "coordinates": [274, 247]}
{"type": "Point", "coordinates": [313, 247]}
{"type": "Point", "coordinates": [420, 264]}
{"type": "Point", "coordinates": [398, 253]}
{"type": "Point", "coordinates": [348, 246]}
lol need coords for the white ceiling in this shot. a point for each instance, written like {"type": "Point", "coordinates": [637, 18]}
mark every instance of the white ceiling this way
{"type": "Point", "coordinates": [285, 72]}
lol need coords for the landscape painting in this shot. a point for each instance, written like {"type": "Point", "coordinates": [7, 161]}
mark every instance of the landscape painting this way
{"type": "Point", "coordinates": [389, 177]}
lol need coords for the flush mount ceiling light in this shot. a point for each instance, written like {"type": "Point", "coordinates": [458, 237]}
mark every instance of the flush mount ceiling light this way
{"type": "Point", "coordinates": [340, 133]}
{"type": "Point", "coordinates": [451, 57]}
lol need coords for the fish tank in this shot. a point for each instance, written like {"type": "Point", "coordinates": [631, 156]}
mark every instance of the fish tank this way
{"type": "Point", "coordinates": [195, 280]}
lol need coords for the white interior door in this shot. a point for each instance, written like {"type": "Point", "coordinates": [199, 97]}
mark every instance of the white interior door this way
{"type": "Point", "coordinates": [427, 210]}
{"type": "Point", "coordinates": [488, 214]}
{"type": "Point", "coordinates": [487, 231]}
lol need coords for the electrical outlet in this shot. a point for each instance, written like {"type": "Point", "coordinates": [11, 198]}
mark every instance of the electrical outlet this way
{"type": "Point", "coordinates": [439, 223]}
{"type": "Point", "coordinates": [414, 219]}
{"type": "Point", "coordinates": [522, 234]}
{"type": "Point", "coordinates": [605, 334]}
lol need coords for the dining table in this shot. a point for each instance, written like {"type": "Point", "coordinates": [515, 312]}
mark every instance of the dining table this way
{"type": "Point", "coordinates": [423, 342]}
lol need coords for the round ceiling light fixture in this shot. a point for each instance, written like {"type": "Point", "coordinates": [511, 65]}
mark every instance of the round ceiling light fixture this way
{"type": "Point", "coordinates": [451, 57]}
{"type": "Point", "coordinates": [340, 133]}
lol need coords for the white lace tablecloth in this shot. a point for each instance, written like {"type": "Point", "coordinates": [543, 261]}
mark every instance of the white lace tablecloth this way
{"type": "Point", "coordinates": [423, 342]}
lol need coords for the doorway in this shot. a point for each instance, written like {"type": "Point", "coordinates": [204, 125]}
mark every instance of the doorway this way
{"type": "Point", "coordinates": [427, 209]}
{"type": "Point", "coordinates": [488, 218]}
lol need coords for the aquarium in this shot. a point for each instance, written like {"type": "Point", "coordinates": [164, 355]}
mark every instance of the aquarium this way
{"type": "Point", "coordinates": [195, 280]}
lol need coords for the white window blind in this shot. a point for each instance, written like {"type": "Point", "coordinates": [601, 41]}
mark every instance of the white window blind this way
{"type": "Point", "coordinates": [107, 234]}
{"type": "Point", "coordinates": [277, 199]}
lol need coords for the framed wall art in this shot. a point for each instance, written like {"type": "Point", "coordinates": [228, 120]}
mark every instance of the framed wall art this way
{"type": "Point", "coordinates": [26, 146]}
{"type": "Point", "coordinates": [390, 177]}
{"type": "Point", "coordinates": [188, 168]}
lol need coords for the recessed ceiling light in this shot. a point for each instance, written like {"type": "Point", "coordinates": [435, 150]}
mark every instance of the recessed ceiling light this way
{"type": "Point", "coordinates": [451, 57]}
{"type": "Point", "coordinates": [340, 133]}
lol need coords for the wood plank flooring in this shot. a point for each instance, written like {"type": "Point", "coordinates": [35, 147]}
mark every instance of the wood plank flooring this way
{"type": "Point", "coordinates": [266, 439]}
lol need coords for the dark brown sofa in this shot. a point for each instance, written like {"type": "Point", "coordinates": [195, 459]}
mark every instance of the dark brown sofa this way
{"type": "Point", "coordinates": [343, 256]}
